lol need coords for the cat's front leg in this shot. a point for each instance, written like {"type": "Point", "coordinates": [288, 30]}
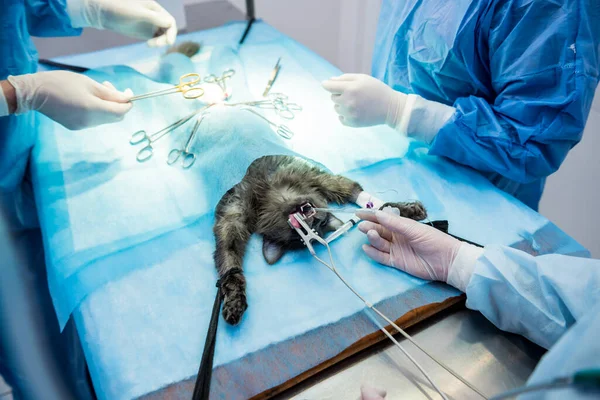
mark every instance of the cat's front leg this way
{"type": "Point", "coordinates": [232, 234]}
{"type": "Point", "coordinates": [338, 188]}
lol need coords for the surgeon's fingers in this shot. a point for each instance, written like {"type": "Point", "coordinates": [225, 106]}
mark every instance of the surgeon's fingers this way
{"type": "Point", "coordinates": [408, 228]}
{"type": "Point", "coordinates": [370, 393]}
{"type": "Point", "coordinates": [367, 226]}
{"type": "Point", "coordinates": [376, 255]}
{"type": "Point", "coordinates": [378, 242]}
{"type": "Point", "coordinates": [109, 85]}
{"type": "Point", "coordinates": [107, 92]}
{"type": "Point", "coordinates": [117, 110]}
{"type": "Point", "coordinates": [346, 77]}
{"type": "Point", "coordinates": [164, 37]}
{"type": "Point", "coordinates": [167, 27]}
{"type": "Point", "coordinates": [335, 87]}
{"type": "Point", "coordinates": [335, 97]}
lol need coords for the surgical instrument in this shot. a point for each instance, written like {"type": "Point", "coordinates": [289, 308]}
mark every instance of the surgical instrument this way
{"type": "Point", "coordinates": [584, 378]}
{"type": "Point", "coordinates": [272, 77]}
{"type": "Point", "coordinates": [278, 102]}
{"type": "Point", "coordinates": [186, 87]}
{"type": "Point", "coordinates": [280, 129]}
{"type": "Point", "coordinates": [142, 137]}
{"type": "Point", "coordinates": [221, 80]}
{"type": "Point", "coordinates": [188, 158]}
{"type": "Point", "coordinates": [298, 222]}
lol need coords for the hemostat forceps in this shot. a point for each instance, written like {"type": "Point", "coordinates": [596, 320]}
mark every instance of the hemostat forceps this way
{"type": "Point", "coordinates": [278, 102]}
{"type": "Point", "coordinates": [142, 137]}
{"type": "Point", "coordinates": [281, 129]}
{"type": "Point", "coordinates": [221, 80]}
{"type": "Point", "coordinates": [186, 87]}
{"type": "Point", "coordinates": [307, 234]}
{"type": "Point", "coordinates": [188, 158]}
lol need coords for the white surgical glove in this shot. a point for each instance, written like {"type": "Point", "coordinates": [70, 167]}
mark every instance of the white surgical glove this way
{"type": "Point", "coordinates": [73, 100]}
{"type": "Point", "coordinates": [141, 19]}
{"type": "Point", "coordinates": [418, 249]}
{"type": "Point", "coordinates": [361, 100]}
{"type": "Point", "coordinates": [369, 393]}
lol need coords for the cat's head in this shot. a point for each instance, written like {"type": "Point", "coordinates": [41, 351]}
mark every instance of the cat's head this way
{"type": "Point", "coordinates": [273, 216]}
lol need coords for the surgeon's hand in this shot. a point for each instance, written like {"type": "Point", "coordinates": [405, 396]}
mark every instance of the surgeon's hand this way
{"type": "Point", "coordinates": [73, 100]}
{"type": "Point", "coordinates": [418, 249]}
{"type": "Point", "coordinates": [408, 245]}
{"type": "Point", "coordinates": [361, 100]}
{"type": "Point", "coordinates": [369, 393]}
{"type": "Point", "coordinates": [142, 19]}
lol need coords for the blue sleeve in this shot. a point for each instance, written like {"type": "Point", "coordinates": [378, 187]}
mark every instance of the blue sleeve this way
{"type": "Point", "coordinates": [49, 18]}
{"type": "Point", "coordinates": [544, 63]}
{"type": "Point", "coordinates": [576, 350]}
{"type": "Point", "coordinates": [537, 297]}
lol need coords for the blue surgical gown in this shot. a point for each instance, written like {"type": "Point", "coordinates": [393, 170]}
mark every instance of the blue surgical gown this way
{"type": "Point", "coordinates": [520, 73]}
{"type": "Point", "coordinates": [19, 20]}
{"type": "Point", "coordinates": [553, 300]}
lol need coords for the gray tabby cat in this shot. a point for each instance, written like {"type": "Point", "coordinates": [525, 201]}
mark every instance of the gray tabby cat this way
{"type": "Point", "coordinates": [273, 188]}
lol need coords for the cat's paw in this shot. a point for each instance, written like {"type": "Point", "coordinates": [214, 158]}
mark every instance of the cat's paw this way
{"type": "Point", "coordinates": [414, 210]}
{"type": "Point", "coordinates": [234, 306]}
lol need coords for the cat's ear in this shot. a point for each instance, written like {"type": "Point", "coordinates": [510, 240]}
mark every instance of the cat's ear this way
{"type": "Point", "coordinates": [332, 224]}
{"type": "Point", "coordinates": [272, 251]}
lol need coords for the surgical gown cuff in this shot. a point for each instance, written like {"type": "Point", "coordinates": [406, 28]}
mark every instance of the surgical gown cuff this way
{"type": "Point", "coordinates": [24, 89]}
{"type": "Point", "coordinates": [3, 104]}
{"type": "Point", "coordinates": [76, 9]}
{"type": "Point", "coordinates": [461, 270]}
{"type": "Point", "coordinates": [422, 119]}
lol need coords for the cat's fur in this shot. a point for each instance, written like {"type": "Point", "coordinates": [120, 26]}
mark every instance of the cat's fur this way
{"type": "Point", "coordinates": [273, 188]}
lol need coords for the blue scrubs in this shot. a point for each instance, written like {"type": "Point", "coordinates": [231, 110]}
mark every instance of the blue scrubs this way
{"type": "Point", "coordinates": [19, 20]}
{"type": "Point", "coordinates": [520, 73]}
{"type": "Point", "coordinates": [553, 300]}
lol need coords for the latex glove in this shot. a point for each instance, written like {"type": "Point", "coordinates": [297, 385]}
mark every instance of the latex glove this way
{"type": "Point", "coordinates": [369, 393]}
{"type": "Point", "coordinates": [408, 245]}
{"type": "Point", "coordinates": [361, 100]}
{"type": "Point", "coordinates": [73, 100]}
{"type": "Point", "coordinates": [141, 19]}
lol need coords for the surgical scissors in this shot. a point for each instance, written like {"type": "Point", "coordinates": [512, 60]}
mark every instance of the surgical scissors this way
{"type": "Point", "coordinates": [281, 129]}
{"type": "Point", "coordinates": [221, 80]}
{"type": "Point", "coordinates": [186, 87]}
{"type": "Point", "coordinates": [142, 137]}
{"type": "Point", "coordinates": [278, 102]}
{"type": "Point", "coordinates": [188, 158]}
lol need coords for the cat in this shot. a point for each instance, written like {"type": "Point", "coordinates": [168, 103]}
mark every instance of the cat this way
{"type": "Point", "coordinates": [273, 188]}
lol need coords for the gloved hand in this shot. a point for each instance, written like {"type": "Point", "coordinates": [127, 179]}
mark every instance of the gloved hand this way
{"type": "Point", "coordinates": [361, 100]}
{"type": "Point", "coordinates": [369, 393]}
{"type": "Point", "coordinates": [408, 245]}
{"type": "Point", "coordinates": [73, 100]}
{"type": "Point", "coordinates": [142, 19]}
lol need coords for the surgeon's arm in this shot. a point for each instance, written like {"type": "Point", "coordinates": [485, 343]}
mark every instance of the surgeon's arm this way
{"type": "Point", "coordinates": [537, 297]}
{"type": "Point", "coordinates": [49, 18]}
{"type": "Point", "coordinates": [544, 72]}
